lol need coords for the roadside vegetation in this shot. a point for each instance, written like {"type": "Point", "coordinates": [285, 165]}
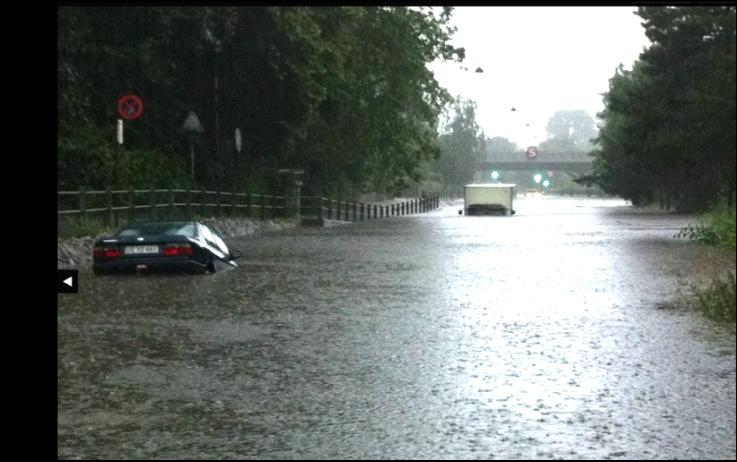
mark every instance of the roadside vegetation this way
{"type": "Point", "coordinates": [718, 301]}
{"type": "Point", "coordinates": [668, 133]}
{"type": "Point", "coordinates": [717, 227]}
{"type": "Point", "coordinates": [341, 93]}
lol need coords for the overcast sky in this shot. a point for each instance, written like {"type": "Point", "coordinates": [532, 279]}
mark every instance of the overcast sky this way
{"type": "Point", "coordinates": [538, 60]}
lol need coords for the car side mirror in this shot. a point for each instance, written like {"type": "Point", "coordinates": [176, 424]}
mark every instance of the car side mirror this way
{"type": "Point", "coordinates": [235, 254]}
{"type": "Point", "coordinates": [460, 212]}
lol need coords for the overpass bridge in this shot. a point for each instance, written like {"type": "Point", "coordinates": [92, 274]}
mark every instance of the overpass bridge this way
{"type": "Point", "coordinates": [572, 162]}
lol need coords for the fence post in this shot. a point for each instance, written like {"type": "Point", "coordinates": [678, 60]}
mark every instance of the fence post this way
{"type": "Point", "coordinates": [273, 206]}
{"type": "Point", "coordinates": [172, 207]}
{"type": "Point", "coordinates": [151, 206]}
{"type": "Point", "coordinates": [248, 203]}
{"type": "Point", "coordinates": [319, 208]}
{"type": "Point", "coordinates": [189, 203]}
{"type": "Point", "coordinates": [355, 211]}
{"type": "Point", "coordinates": [218, 201]}
{"type": "Point", "coordinates": [362, 210]}
{"type": "Point", "coordinates": [202, 202]}
{"type": "Point", "coordinates": [109, 220]}
{"type": "Point", "coordinates": [131, 206]}
{"type": "Point", "coordinates": [83, 203]}
{"type": "Point", "coordinates": [263, 206]}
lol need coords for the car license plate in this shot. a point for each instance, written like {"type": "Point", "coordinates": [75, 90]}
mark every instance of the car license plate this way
{"type": "Point", "coordinates": [136, 249]}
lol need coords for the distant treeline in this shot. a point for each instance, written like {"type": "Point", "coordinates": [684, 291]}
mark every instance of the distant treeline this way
{"type": "Point", "coordinates": [669, 123]}
{"type": "Point", "coordinates": [341, 93]}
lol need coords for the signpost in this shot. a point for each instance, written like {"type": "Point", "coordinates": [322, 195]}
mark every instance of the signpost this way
{"type": "Point", "coordinates": [130, 107]}
{"type": "Point", "coordinates": [120, 131]}
{"type": "Point", "coordinates": [238, 140]}
{"type": "Point", "coordinates": [296, 174]}
{"type": "Point", "coordinates": [193, 128]}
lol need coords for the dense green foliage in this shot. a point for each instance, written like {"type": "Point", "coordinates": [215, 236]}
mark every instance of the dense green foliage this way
{"type": "Point", "coordinates": [462, 146]}
{"type": "Point", "coordinates": [343, 93]}
{"type": "Point", "coordinates": [717, 228]}
{"type": "Point", "coordinates": [669, 123]}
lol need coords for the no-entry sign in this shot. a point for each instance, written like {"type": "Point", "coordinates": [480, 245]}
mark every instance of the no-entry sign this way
{"type": "Point", "coordinates": [130, 107]}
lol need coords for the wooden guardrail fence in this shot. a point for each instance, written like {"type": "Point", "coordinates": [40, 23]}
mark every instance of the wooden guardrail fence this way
{"type": "Point", "coordinates": [114, 206]}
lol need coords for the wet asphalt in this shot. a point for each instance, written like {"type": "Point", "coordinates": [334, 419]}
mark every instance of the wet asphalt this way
{"type": "Point", "coordinates": [562, 332]}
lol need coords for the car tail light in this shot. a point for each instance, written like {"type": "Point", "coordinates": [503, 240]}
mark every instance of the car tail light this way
{"type": "Point", "coordinates": [107, 252]}
{"type": "Point", "coordinates": [174, 250]}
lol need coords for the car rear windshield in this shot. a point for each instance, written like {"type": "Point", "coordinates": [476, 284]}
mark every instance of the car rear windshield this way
{"type": "Point", "coordinates": [144, 229]}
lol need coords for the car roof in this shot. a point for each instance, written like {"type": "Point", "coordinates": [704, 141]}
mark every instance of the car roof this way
{"type": "Point", "coordinates": [153, 225]}
{"type": "Point", "coordinates": [162, 222]}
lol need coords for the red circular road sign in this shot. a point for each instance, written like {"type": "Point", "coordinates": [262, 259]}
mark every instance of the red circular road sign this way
{"type": "Point", "coordinates": [130, 107]}
{"type": "Point", "coordinates": [532, 152]}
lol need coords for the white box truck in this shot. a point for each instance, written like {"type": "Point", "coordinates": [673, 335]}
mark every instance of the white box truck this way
{"type": "Point", "coordinates": [488, 199]}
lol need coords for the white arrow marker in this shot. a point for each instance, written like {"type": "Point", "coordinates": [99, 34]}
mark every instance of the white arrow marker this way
{"type": "Point", "coordinates": [68, 281]}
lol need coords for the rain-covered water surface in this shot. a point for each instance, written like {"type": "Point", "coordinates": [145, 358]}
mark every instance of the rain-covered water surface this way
{"type": "Point", "coordinates": [555, 333]}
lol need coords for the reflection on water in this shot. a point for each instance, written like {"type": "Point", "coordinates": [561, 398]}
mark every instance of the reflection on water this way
{"type": "Point", "coordinates": [430, 336]}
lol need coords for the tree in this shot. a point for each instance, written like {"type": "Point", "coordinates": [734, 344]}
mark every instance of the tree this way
{"type": "Point", "coordinates": [461, 147]}
{"type": "Point", "coordinates": [500, 145]}
{"type": "Point", "coordinates": [669, 124]}
{"type": "Point", "coordinates": [572, 129]}
{"type": "Point", "coordinates": [342, 92]}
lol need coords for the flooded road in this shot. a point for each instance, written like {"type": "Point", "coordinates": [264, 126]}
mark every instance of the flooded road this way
{"type": "Point", "coordinates": [555, 333]}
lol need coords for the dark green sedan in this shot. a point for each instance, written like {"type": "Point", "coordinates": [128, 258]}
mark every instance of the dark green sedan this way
{"type": "Point", "coordinates": [162, 246]}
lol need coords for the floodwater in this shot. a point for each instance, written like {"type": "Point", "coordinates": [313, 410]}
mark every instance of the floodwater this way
{"type": "Point", "coordinates": [560, 332]}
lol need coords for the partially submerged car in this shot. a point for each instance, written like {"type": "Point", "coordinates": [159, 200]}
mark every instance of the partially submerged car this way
{"type": "Point", "coordinates": [162, 245]}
